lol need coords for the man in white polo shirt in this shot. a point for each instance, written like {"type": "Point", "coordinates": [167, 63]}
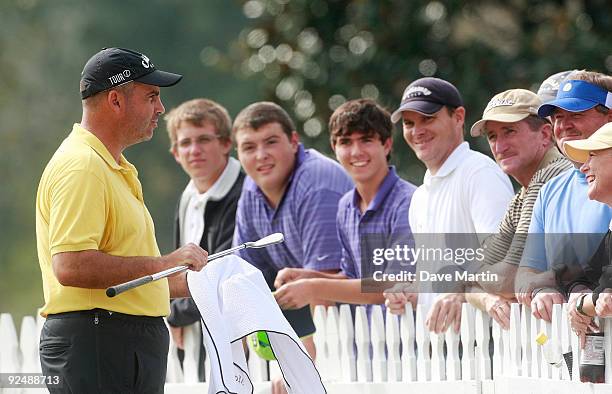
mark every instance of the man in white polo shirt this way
{"type": "Point", "coordinates": [463, 191]}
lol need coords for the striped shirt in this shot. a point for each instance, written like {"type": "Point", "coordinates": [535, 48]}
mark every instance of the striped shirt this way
{"type": "Point", "coordinates": [306, 216]}
{"type": "Point", "coordinates": [386, 218]}
{"type": "Point", "coordinates": [508, 245]}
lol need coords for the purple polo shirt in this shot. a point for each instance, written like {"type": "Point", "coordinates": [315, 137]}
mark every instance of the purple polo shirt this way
{"type": "Point", "coordinates": [386, 218]}
{"type": "Point", "coordinates": [306, 216]}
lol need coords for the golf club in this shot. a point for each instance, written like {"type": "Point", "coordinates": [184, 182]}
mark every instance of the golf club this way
{"type": "Point", "coordinates": [262, 243]}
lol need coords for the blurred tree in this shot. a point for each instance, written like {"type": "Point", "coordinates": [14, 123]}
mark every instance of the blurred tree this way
{"type": "Point", "coordinates": [312, 55]}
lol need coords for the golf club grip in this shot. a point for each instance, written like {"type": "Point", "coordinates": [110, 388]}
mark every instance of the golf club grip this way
{"type": "Point", "coordinates": [118, 289]}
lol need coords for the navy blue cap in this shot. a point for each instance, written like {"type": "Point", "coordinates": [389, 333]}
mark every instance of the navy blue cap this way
{"type": "Point", "coordinates": [577, 96]}
{"type": "Point", "coordinates": [428, 96]}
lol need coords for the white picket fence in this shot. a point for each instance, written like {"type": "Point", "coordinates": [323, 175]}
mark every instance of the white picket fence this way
{"type": "Point", "coordinates": [391, 355]}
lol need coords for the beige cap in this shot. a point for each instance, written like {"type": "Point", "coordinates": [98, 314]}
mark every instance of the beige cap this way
{"type": "Point", "coordinates": [510, 106]}
{"type": "Point", "coordinates": [578, 150]}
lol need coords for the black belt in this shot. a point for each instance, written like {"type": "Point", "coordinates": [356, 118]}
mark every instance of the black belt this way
{"type": "Point", "coordinates": [104, 314]}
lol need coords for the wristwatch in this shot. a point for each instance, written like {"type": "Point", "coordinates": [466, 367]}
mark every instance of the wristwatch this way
{"type": "Point", "coordinates": [580, 304]}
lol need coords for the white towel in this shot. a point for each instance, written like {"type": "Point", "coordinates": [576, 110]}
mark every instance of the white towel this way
{"type": "Point", "coordinates": [235, 301]}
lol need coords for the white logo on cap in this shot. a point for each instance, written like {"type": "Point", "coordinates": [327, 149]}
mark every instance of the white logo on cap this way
{"type": "Point", "coordinates": [415, 91]}
{"type": "Point", "coordinates": [127, 73]}
{"type": "Point", "coordinates": [117, 78]}
{"type": "Point", "coordinates": [500, 102]}
{"type": "Point", "coordinates": [567, 87]}
{"type": "Point", "coordinates": [145, 61]}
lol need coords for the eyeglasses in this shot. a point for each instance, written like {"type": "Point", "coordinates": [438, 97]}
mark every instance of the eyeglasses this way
{"type": "Point", "coordinates": [202, 140]}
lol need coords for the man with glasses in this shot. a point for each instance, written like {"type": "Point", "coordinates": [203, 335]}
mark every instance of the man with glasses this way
{"type": "Point", "coordinates": [200, 142]}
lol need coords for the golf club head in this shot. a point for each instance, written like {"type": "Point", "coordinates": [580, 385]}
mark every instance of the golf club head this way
{"type": "Point", "coordinates": [271, 239]}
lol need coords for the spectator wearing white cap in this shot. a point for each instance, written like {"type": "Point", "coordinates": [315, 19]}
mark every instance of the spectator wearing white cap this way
{"type": "Point", "coordinates": [596, 154]}
{"type": "Point", "coordinates": [463, 191]}
{"type": "Point", "coordinates": [566, 227]}
{"type": "Point", "coordinates": [521, 143]}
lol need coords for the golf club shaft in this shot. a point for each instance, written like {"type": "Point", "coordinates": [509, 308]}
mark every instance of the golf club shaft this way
{"type": "Point", "coordinates": [120, 288]}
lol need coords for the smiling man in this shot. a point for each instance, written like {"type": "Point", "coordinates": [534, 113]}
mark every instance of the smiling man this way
{"type": "Point", "coordinates": [291, 190]}
{"type": "Point", "coordinates": [521, 143]}
{"type": "Point", "coordinates": [463, 191]}
{"type": "Point", "coordinates": [200, 141]}
{"type": "Point", "coordinates": [372, 215]}
{"type": "Point", "coordinates": [596, 154]}
{"type": "Point", "coordinates": [566, 227]}
{"type": "Point", "coordinates": [94, 231]}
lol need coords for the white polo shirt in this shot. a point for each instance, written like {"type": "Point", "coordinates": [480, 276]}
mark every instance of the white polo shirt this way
{"type": "Point", "coordinates": [468, 194]}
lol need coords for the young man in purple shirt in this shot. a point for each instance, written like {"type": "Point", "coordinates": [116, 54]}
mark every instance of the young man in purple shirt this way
{"type": "Point", "coordinates": [291, 190]}
{"type": "Point", "coordinates": [372, 216]}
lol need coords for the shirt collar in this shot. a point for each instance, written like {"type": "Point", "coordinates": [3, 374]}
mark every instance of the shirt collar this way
{"type": "Point", "coordinates": [381, 194]}
{"type": "Point", "coordinates": [450, 164]}
{"type": "Point", "coordinates": [217, 191]}
{"type": "Point", "coordinates": [551, 155]}
{"type": "Point", "coordinates": [88, 138]}
{"type": "Point", "coordinates": [580, 177]}
{"type": "Point", "coordinates": [222, 185]}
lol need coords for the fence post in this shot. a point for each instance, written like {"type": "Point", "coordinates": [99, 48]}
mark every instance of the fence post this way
{"type": "Point", "coordinates": [422, 338]}
{"type": "Point", "coordinates": [514, 340]}
{"type": "Point", "coordinates": [379, 360]}
{"type": "Point", "coordinates": [347, 341]}
{"type": "Point", "coordinates": [408, 357]}
{"type": "Point", "coordinates": [362, 340]}
{"type": "Point", "coordinates": [498, 349]}
{"type": "Point", "coordinates": [9, 348]}
{"type": "Point", "coordinates": [545, 368]}
{"type": "Point", "coordinates": [333, 344]}
{"type": "Point", "coordinates": [607, 326]}
{"type": "Point", "coordinates": [536, 351]}
{"type": "Point", "coordinates": [174, 373]}
{"type": "Point", "coordinates": [320, 315]}
{"type": "Point", "coordinates": [556, 336]}
{"type": "Point", "coordinates": [526, 344]}
{"type": "Point", "coordinates": [28, 343]}
{"type": "Point", "coordinates": [482, 339]}
{"type": "Point", "coordinates": [394, 363]}
{"type": "Point", "coordinates": [191, 335]}
{"type": "Point", "coordinates": [468, 339]}
{"type": "Point", "coordinates": [566, 340]}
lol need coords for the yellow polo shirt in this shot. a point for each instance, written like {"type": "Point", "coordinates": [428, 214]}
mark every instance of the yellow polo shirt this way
{"type": "Point", "coordinates": [87, 201]}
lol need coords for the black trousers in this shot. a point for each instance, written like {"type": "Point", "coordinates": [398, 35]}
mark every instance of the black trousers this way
{"type": "Point", "coordinates": [102, 352]}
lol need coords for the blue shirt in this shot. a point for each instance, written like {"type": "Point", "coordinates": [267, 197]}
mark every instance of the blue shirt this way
{"type": "Point", "coordinates": [385, 219]}
{"type": "Point", "coordinates": [566, 226]}
{"type": "Point", "coordinates": [306, 215]}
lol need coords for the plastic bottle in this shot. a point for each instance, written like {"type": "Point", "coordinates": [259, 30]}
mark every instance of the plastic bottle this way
{"type": "Point", "coordinates": [550, 349]}
{"type": "Point", "coordinates": [592, 359]}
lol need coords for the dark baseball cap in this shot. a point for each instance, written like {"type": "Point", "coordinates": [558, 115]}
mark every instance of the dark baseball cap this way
{"type": "Point", "coordinates": [428, 96]}
{"type": "Point", "coordinates": [112, 67]}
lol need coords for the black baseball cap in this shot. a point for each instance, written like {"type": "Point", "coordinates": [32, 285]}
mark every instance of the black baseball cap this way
{"type": "Point", "coordinates": [428, 96]}
{"type": "Point", "coordinates": [112, 67]}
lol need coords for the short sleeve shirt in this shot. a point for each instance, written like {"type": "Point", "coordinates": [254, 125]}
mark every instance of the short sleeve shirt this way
{"type": "Point", "coordinates": [306, 216]}
{"type": "Point", "coordinates": [565, 224]}
{"type": "Point", "coordinates": [88, 201]}
{"type": "Point", "coordinates": [386, 218]}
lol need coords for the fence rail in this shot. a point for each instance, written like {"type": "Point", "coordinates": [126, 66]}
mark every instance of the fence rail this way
{"type": "Point", "coordinates": [391, 354]}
